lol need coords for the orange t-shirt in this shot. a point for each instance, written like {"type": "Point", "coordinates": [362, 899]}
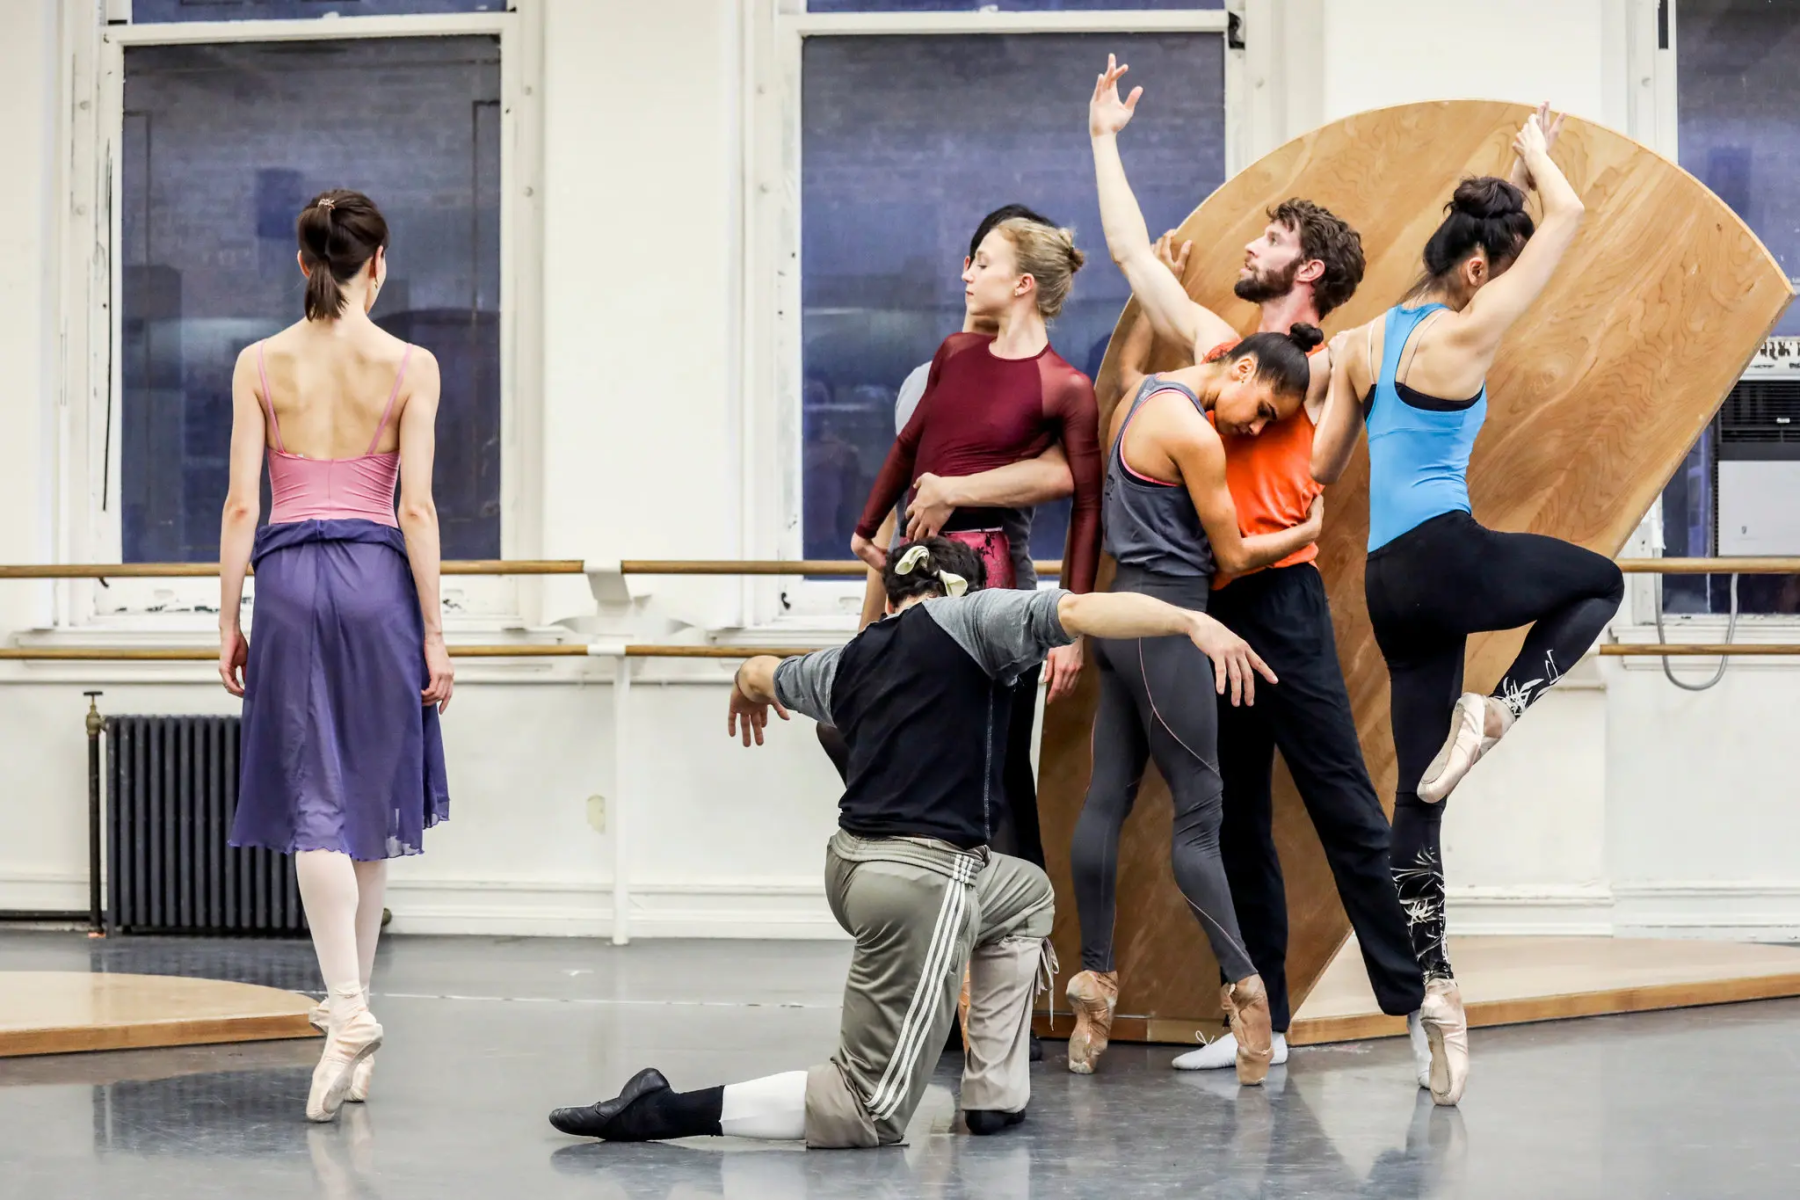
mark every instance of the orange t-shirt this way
{"type": "Point", "coordinates": [1270, 477]}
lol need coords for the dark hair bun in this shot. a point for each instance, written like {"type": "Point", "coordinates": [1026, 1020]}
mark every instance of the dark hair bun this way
{"type": "Point", "coordinates": [1305, 336]}
{"type": "Point", "coordinates": [1487, 198]}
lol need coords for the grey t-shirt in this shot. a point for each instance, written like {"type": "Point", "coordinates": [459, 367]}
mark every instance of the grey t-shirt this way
{"type": "Point", "coordinates": [1016, 522]}
{"type": "Point", "coordinates": [1006, 632]}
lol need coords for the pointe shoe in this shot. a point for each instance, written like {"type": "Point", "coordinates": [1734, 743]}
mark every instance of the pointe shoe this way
{"type": "Point", "coordinates": [1468, 741]}
{"type": "Point", "coordinates": [364, 1075]}
{"type": "Point", "coordinates": [1447, 1030]}
{"type": "Point", "coordinates": [1421, 1049]}
{"type": "Point", "coordinates": [347, 1044]}
{"type": "Point", "coordinates": [1246, 1003]}
{"type": "Point", "coordinates": [360, 1081]}
{"type": "Point", "coordinates": [1094, 995]}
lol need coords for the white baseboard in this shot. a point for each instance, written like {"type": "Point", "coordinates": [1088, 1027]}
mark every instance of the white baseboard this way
{"type": "Point", "coordinates": [1736, 911]}
{"type": "Point", "coordinates": [751, 908]}
{"type": "Point", "coordinates": [795, 908]}
{"type": "Point", "coordinates": [43, 891]}
{"type": "Point", "coordinates": [1576, 910]}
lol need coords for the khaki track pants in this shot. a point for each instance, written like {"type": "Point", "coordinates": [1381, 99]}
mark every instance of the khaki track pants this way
{"type": "Point", "coordinates": [920, 910]}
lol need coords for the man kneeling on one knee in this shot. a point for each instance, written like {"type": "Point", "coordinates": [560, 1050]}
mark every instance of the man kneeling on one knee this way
{"type": "Point", "coordinates": [922, 699]}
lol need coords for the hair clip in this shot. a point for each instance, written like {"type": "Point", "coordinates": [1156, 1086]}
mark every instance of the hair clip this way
{"type": "Point", "coordinates": [327, 204]}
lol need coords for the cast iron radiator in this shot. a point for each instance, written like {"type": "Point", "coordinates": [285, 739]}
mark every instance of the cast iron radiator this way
{"type": "Point", "coordinates": [171, 787]}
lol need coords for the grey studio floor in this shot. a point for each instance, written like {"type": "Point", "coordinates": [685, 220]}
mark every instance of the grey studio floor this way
{"type": "Point", "coordinates": [485, 1035]}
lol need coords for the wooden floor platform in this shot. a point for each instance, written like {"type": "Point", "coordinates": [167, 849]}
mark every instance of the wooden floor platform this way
{"type": "Point", "coordinates": [60, 1012]}
{"type": "Point", "coordinates": [1515, 980]}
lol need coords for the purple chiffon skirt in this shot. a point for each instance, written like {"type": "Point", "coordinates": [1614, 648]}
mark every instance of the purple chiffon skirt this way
{"type": "Point", "coordinates": [338, 752]}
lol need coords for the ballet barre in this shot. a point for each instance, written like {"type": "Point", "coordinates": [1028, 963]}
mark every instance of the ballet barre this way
{"type": "Point", "coordinates": [490, 566]}
{"type": "Point", "coordinates": [523, 650]}
{"type": "Point", "coordinates": [764, 566]}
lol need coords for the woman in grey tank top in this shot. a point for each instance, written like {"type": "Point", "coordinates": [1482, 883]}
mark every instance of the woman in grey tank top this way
{"type": "Point", "coordinates": [1170, 522]}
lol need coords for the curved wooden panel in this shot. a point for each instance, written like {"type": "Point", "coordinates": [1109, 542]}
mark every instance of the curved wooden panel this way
{"type": "Point", "coordinates": [59, 1012]}
{"type": "Point", "coordinates": [1597, 396]}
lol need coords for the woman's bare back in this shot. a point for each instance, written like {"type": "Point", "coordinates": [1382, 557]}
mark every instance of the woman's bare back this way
{"type": "Point", "coordinates": [329, 384]}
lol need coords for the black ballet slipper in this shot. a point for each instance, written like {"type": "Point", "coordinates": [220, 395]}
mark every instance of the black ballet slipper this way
{"type": "Point", "coordinates": [983, 1122]}
{"type": "Point", "coordinates": [598, 1120]}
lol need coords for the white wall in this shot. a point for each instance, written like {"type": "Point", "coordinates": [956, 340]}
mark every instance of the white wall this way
{"type": "Point", "coordinates": [1620, 804]}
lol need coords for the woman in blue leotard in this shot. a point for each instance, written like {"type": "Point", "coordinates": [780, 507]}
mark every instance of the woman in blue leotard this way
{"type": "Point", "coordinates": [1417, 378]}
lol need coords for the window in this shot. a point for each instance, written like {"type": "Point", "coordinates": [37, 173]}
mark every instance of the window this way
{"type": "Point", "coordinates": [145, 12]}
{"type": "Point", "coordinates": [1738, 96]}
{"type": "Point", "coordinates": [906, 142]}
{"type": "Point", "coordinates": [221, 146]}
{"type": "Point", "coordinates": [932, 6]}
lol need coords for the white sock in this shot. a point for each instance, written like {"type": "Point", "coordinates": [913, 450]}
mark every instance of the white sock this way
{"type": "Point", "coordinates": [771, 1109]}
{"type": "Point", "coordinates": [1222, 1052]}
{"type": "Point", "coordinates": [1421, 1048]}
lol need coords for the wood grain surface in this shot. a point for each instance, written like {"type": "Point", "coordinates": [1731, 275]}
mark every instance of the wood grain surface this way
{"type": "Point", "coordinates": [58, 1012]}
{"type": "Point", "coordinates": [1598, 393]}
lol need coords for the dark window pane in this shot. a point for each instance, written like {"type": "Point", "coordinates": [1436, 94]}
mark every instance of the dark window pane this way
{"type": "Point", "coordinates": [146, 12]}
{"type": "Point", "coordinates": [1738, 98]}
{"type": "Point", "coordinates": [839, 6]}
{"type": "Point", "coordinates": [222, 145]}
{"type": "Point", "coordinates": [968, 124]}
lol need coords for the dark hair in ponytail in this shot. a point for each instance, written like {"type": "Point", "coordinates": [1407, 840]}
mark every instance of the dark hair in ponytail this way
{"type": "Point", "coordinates": [1281, 360]}
{"type": "Point", "coordinates": [339, 232]}
{"type": "Point", "coordinates": [1486, 213]}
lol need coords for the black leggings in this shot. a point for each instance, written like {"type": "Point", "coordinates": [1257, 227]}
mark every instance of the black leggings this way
{"type": "Point", "coordinates": [1156, 702]}
{"type": "Point", "coordinates": [1430, 588]}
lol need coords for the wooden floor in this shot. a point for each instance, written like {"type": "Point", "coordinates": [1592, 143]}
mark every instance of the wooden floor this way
{"type": "Point", "coordinates": [59, 1012]}
{"type": "Point", "coordinates": [1514, 980]}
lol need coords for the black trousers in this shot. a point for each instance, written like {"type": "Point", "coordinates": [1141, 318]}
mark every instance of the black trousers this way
{"type": "Point", "coordinates": [1284, 615]}
{"type": "Point", "coordinates": [1016, 832]}
{"type": "Point", "coordinates": [1428, 590]}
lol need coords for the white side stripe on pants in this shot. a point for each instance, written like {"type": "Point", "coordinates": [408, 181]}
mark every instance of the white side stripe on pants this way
{"type": "Point", "coordinates": [891, 1090]}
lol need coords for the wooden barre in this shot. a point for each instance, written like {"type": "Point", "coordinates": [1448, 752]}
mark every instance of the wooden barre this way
{"type": "Point", "coordinates": [1699, 650]}
{"type": "Point", "coordinates": [559, 650]}
{"type": "Point", "coordinates": [474, 566]}
{"type": "Point", "coordinates": [1710, 566]}
{"type": "Point", "coordinates": [771, 566]}
{"type": "Point", "coordinates": [484, 566]}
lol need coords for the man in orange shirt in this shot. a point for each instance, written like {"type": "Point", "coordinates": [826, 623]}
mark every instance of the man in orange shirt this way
{"type": "Point", "coordinates": [1306, 263]}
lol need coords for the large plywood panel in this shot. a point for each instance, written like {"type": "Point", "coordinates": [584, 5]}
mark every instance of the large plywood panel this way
{"type": "Point", "coordinates": [59, 1012]}
{"type": "Point", "coordinates": [1597, 395]}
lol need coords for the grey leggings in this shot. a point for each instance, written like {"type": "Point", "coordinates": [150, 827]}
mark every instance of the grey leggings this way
{"type": "Point", "coordinates": [1157, 703]}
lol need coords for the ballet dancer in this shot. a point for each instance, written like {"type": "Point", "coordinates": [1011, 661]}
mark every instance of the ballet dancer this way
{"type": "Point", "coordinates": [1011, 492]}
{"type": "Point", "coordinates": [343, 757]}
{"type": "Point", "coordinates": [1170, 522]}
{"type": "Point", "coordinates": [1417, 378]}
{"type": "Point", "coordinates": [991, 401]}
{"type": "Point", "coordinates": [1306, 263]}
{"type": "Point", "coordinates": [909, 873]}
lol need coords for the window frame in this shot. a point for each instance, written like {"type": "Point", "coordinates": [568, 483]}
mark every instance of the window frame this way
{"type": "Point", "coordinates": [88, 525]}
{"type": "Point", "coordinates": [771, 346]}
{"type": "Point", "coordinates": [1653, 115]}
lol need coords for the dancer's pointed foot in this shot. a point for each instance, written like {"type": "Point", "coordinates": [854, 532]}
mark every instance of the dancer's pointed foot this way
{"type": "Point", "coordinates": [1094, 995]}
{"type": "Point", "coordinates": [1447, 1030]}
{"type": "Point", "coordinates": [1476, 724]}
{"type": "Point", "coordinates": [1247, 1005]}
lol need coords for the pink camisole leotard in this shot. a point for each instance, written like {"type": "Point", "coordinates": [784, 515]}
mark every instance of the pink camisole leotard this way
{"type": "Point", "coordinates": [332, 489]}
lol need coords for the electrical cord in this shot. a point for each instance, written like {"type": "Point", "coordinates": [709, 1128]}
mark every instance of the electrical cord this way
{"type": "Point", "coordinates": [1730, 629]}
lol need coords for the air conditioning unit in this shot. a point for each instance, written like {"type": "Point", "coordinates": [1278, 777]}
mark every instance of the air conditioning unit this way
{"type": "Point", "coordinates": [1758, 461]}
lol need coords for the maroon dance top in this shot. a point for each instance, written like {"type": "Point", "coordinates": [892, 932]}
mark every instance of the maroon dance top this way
{"type": "Point", "coordinates": [980, 412]}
